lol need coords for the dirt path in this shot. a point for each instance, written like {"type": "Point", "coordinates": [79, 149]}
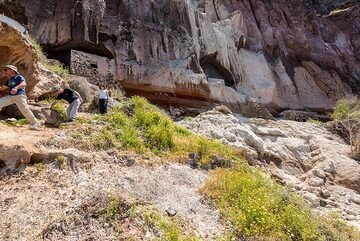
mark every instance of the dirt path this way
{"type": "Point", "coordinates": [18, 144]}
{"type": "Point", "coordinates": [23, 136]}
{"type": "Point", "coordinates": [32, 201]}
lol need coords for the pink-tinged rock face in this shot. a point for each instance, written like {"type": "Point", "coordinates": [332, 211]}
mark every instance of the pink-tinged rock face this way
{"type": "Point", "coordinates": [14, 50]}
{"type": "Point", "coordinates": [283, 54]}
{"type": "Point", "coordinates": [17, 49]}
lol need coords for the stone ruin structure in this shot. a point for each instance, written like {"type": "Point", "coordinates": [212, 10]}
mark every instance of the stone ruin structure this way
{"type": "Point", "coordinates": [95, 68]}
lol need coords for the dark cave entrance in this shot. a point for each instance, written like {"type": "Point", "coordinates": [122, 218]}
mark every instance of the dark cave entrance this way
{"type": "Point", "coordinates": [215, 71]}
{"type": "Point", "coordinates": [62, 53]}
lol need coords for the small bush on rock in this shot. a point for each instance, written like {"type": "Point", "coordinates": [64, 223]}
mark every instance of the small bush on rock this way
{"type": "Point", "coordinates": [55, 67]}
{"type": "Point", "coordinates": [312, 121]}
{"type": "Point", "coordinates": [58, 69]}
{"type": "Point", "coordinates": [168, 228]}
{"type": "Point", "coordinates": [347, 122]}
{"type": "Point", "coordinates": [60, 107]}
{"type": "Point", "coordinates": [346, 109]}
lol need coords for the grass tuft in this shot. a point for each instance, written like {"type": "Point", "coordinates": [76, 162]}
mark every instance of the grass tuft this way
{"type": "Point", "coordinates": [19, 122]}
{"type": "Point", "coordinates": [57, 68]}
{"type": "Point", "coordinates": [168, 228]}
{"type": "Point", "coordinates": [312, 121]}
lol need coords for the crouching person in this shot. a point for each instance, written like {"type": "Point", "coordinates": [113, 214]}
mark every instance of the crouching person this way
{"type": "Point", "coordinates": [17, 95]}
{"type": "Point", "coordinates": [71, 96]}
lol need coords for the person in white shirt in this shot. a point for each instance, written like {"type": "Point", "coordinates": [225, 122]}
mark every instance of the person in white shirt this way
{"type": "Point", "coordinates": [104, 94]}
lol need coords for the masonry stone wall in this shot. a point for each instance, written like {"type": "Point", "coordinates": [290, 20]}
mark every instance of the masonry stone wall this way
{"type": "Point", "coordinates": [95, 68]}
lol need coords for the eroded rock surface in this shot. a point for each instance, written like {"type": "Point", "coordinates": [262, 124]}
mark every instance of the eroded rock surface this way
{"type": "Point", "coordinates": [17, 49]}
{"type": "Point", "coordinates": [305, 156]}
{"type": "Point", "coordinates": [281, 53]}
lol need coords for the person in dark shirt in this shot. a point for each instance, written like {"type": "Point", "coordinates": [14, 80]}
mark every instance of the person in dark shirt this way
{"type": "Point", "coordinates": [71, 96]}
{"type": "Point", "coordinates": [16, 94]}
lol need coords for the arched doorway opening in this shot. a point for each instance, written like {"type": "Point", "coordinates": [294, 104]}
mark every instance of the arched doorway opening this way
{"type": "Point", "coordinates": [214, 71]}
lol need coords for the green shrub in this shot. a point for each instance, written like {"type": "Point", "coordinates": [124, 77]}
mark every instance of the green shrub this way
{"type": "Point", "coordinates": [347, 122]}
{"type": "Point", "coordinates": [158, 130]}
{"type": "Point", "coordinates": [188, 118]}
{"type": "Point", "coordinates": [112, 209]}
{"type": "Point", "coordinates": [160, 136]}
{"type": "Point", "coordinates": [61, 108]}
{"type": "Point", "coordinates": [117, 95]}
{"type": "Point", "coordinates": [129, 137]}
{"type": "Point", "coordinates": [103, 140]}
{"type": "Point", "coordinates": [58, 69]}
{"type": "Point", "coordinates": [149, 218]}
{"type": "Point", "coordinates": [182, 131]}
{"type": "Point", "coordinates": [346, 109]}
{"type": "Point", "coordinates": [204, 148]}
{"type": "Point", "coordinates": [61, 161]}
{"type": "Point", "coordinates": [38, 49]}
{"type": "Point", "coordinates": [257, 207]}
{"type": "Point", "coordinates": [85, 136]}
{"type": "Point", "coordinates": [333, 228]}
{"type": "Point", "coordinates": [120, 124]}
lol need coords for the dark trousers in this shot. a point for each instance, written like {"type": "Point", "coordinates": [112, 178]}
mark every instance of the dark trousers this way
{"type": "Point", "coordinates": [103, 105]}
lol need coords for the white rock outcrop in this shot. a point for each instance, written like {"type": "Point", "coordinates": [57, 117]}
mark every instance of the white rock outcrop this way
{"type": "Point", "coordinates": [305, 156]}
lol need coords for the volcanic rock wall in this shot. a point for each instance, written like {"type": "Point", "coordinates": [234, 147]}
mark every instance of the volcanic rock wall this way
{"type": "Point", "coordinates": [281, 53]}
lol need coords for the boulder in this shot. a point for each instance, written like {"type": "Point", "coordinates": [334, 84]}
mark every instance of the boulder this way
{"type": "Point", "coordinates": [312, 199]}
{"type": "Point", "coordinates": [254, 108]}
{"type": "Point", "coordinates": [355, 199]}
{"type": "Point", "coordinates": [49, 116]}
{"type": "Point", "coordinates": [83, 87]}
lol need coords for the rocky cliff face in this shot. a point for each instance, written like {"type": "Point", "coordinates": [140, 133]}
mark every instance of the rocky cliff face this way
{"type": "Point", "coordinates": [282, 53]}
{"type": "Point", "coordinates": [18, 50]}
